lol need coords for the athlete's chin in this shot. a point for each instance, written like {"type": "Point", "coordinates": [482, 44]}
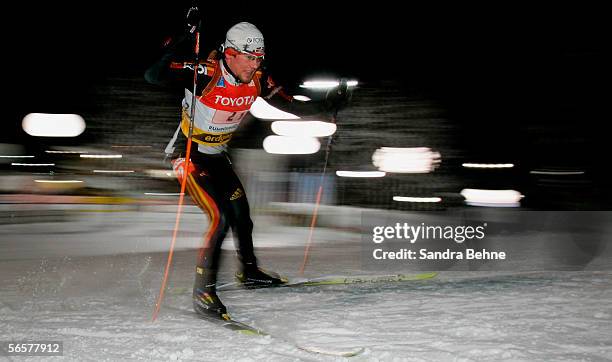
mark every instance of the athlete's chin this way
{"type": "Point", "coordinates": [246, 78]}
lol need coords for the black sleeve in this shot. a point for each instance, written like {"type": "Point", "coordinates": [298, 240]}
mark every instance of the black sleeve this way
{"type": "Point", "coordinates": [161, 73]}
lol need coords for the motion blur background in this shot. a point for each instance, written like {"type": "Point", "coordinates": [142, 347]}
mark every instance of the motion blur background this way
{"type": "Point", "coordinates": [515, 85]}
{"type": "Point", "coordinates": [495, 115]}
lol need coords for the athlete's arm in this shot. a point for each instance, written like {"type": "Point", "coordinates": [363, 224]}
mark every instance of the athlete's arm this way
{"type": "Point", "coordinates": [269, 89]}
{"type": "Point", "coordinates": [175, 67]}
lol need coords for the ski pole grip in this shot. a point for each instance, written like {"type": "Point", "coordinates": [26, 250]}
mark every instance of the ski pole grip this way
{"type": "Point", "coordinates": [193, 19]}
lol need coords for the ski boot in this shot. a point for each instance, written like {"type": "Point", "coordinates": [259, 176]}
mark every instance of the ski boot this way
{"type": "Point", "coordinates": [207, 304]}
{"type": "Point", "coordinates": [253, 277]}
{"type": "Point", "coordinates": [205, 300]}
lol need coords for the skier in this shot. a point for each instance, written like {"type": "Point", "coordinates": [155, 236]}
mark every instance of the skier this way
{"type": "Point", "coordinates": [229, 81]}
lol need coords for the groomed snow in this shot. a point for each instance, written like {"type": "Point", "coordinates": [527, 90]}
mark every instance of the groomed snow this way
{"type": "Point", "coordinates": [100, 306]}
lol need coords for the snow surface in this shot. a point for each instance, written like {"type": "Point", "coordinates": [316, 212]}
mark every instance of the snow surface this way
{"type": "Point", "coordinates": [99, 301]}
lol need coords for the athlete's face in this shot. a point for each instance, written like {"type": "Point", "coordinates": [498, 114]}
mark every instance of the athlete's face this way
{"type": "Point", "coordinates": [243, 65]}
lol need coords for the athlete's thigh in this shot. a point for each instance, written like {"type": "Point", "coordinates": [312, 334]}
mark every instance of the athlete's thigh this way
{"type": "Point", "coordinates": [200, 185]}
{"type": "Point", "coordinates": [227, 184]}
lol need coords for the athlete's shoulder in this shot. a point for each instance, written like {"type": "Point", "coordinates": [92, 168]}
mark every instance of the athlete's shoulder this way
{"type": "Point", "coordinates": [211, 63]}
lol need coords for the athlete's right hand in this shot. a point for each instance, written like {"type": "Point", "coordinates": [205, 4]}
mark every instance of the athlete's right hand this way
{"type": "Point", "coordinates": [193, 18]}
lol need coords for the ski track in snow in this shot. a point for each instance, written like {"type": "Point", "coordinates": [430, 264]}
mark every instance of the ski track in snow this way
{"type": "Point", "coordinates": [460, 317]}
{"type": "Point", "coordinates": [100, 306]}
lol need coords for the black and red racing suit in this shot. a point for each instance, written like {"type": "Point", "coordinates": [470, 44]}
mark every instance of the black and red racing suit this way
{"type": "Point", "coordinates": [222, 101]}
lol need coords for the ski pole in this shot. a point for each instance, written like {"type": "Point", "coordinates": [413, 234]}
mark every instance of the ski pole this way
{"type": "Point", "coordinates": [195, 29]}
{"type": "Point", "coordinates": [340, 96]}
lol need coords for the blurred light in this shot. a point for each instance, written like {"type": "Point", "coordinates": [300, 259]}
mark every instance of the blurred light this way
{"type": "Point", "coordinates": [360, 173]}
{"type": "Point", "coordinates": [406, 160]}
{"type": "Point", "coordinates": [68, 152]}
{"type": "Point", "coordinates": [326, 84]}
{"type": "Point", "coordinates": [161, 194]}
{"type": "Point", "coordinates": [160, 173]}
{"type": "Point", "coordinates": [59, 181]}
{"type": "Point", "coordinates": [416, 199]}
{"type": "Point", "coordinates": [32, 164]}
{"type": "Point", "coordinates": [557, 173]}
{"type": "Point", "coordinates": [493, 198]}
{"type": "Point", "coordinates": [53, 125]}
{"type": "Point", "coordinates": [263, 110]}
{"type": "Point", "coordinates": [291, 145]}
{"type": "Point", "coordinates": [101, 156]}
{"type": "Point", "coordinates": [488, 165]}
{"type": "Point", "coordinates": [320, 84]}
{"type": "Point", "coordinates": [113, 171]}
{"type": "Point", "coordinates": [303, 128]}
{"type": "Point", "coordinates": [128, 146]}
{"type": "Point", "coordinates": [8, 156]}
{"type": "Point", "coordinates": [301, 98]}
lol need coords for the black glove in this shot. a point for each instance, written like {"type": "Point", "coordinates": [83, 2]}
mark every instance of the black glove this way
{"type": "Point", "coordinates": [193, 19]}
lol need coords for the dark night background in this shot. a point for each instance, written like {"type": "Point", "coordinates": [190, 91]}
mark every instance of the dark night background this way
{"type": "Point", "coordinates": [513, 55]}
{"type": "Point", "coordinates": [538, 73]}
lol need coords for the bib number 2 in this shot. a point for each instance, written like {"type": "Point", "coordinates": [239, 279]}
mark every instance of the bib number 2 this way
{"type": "Point", "coordinates": [225, 117]}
